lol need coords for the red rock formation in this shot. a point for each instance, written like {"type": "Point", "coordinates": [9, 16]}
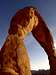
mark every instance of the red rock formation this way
{"type": "Point", "coordinates": [43, 36]}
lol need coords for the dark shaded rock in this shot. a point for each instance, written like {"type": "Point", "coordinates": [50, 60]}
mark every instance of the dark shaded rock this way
{"type": "Point", "coordinates": [43, 35]}
{"type": "Point", "coordinates": [41, 72]}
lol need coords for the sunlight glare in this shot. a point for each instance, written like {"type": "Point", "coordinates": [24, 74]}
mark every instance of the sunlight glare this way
{"type": "Point", "coordinates": [55, 45]}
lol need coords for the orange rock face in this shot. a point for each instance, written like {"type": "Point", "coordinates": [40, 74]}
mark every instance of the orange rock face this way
{"type": "Point", "coordinates": [13, 57]}
{"type": "Point", "coordinates": [23, 22]}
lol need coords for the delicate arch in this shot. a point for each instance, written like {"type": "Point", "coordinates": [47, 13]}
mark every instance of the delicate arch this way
{"type": "Point", "coordinates": [13, 42]}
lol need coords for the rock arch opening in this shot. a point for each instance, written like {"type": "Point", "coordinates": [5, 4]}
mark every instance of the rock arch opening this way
{"type": "Point", "coordinates": [37, 55]}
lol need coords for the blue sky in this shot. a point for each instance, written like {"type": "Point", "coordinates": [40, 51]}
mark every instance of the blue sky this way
{"type": "Point", "coordinates": [47, 9]}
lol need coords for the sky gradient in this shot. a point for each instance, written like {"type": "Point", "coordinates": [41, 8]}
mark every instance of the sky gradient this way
{"type": "Point", "coordinates": [47, 9]}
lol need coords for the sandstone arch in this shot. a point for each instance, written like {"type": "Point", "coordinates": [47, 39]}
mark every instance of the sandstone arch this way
{"type": "Point", "coordinates": [17, 62]}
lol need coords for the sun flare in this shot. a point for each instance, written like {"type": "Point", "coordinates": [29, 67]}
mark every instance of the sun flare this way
{"type": "Point", "coordinates": [55, 45]}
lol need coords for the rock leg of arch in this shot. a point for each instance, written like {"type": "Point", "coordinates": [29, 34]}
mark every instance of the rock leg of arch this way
{"type": "Point", "coordinates": [14, 58]}
{"type": "Point", "coordinates": [44, 37]}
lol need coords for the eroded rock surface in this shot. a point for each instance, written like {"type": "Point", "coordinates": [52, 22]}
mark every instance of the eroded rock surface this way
{"type": "Point", "coordinates": [13, 57]}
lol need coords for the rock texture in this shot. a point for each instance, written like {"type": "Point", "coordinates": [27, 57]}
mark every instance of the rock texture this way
{"type": "Point", "coordinates": [14, 58]}
{"type": "Point", "coordinates": [44, 37]}
{"type": "Point", "coordinates": [13, 55]}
